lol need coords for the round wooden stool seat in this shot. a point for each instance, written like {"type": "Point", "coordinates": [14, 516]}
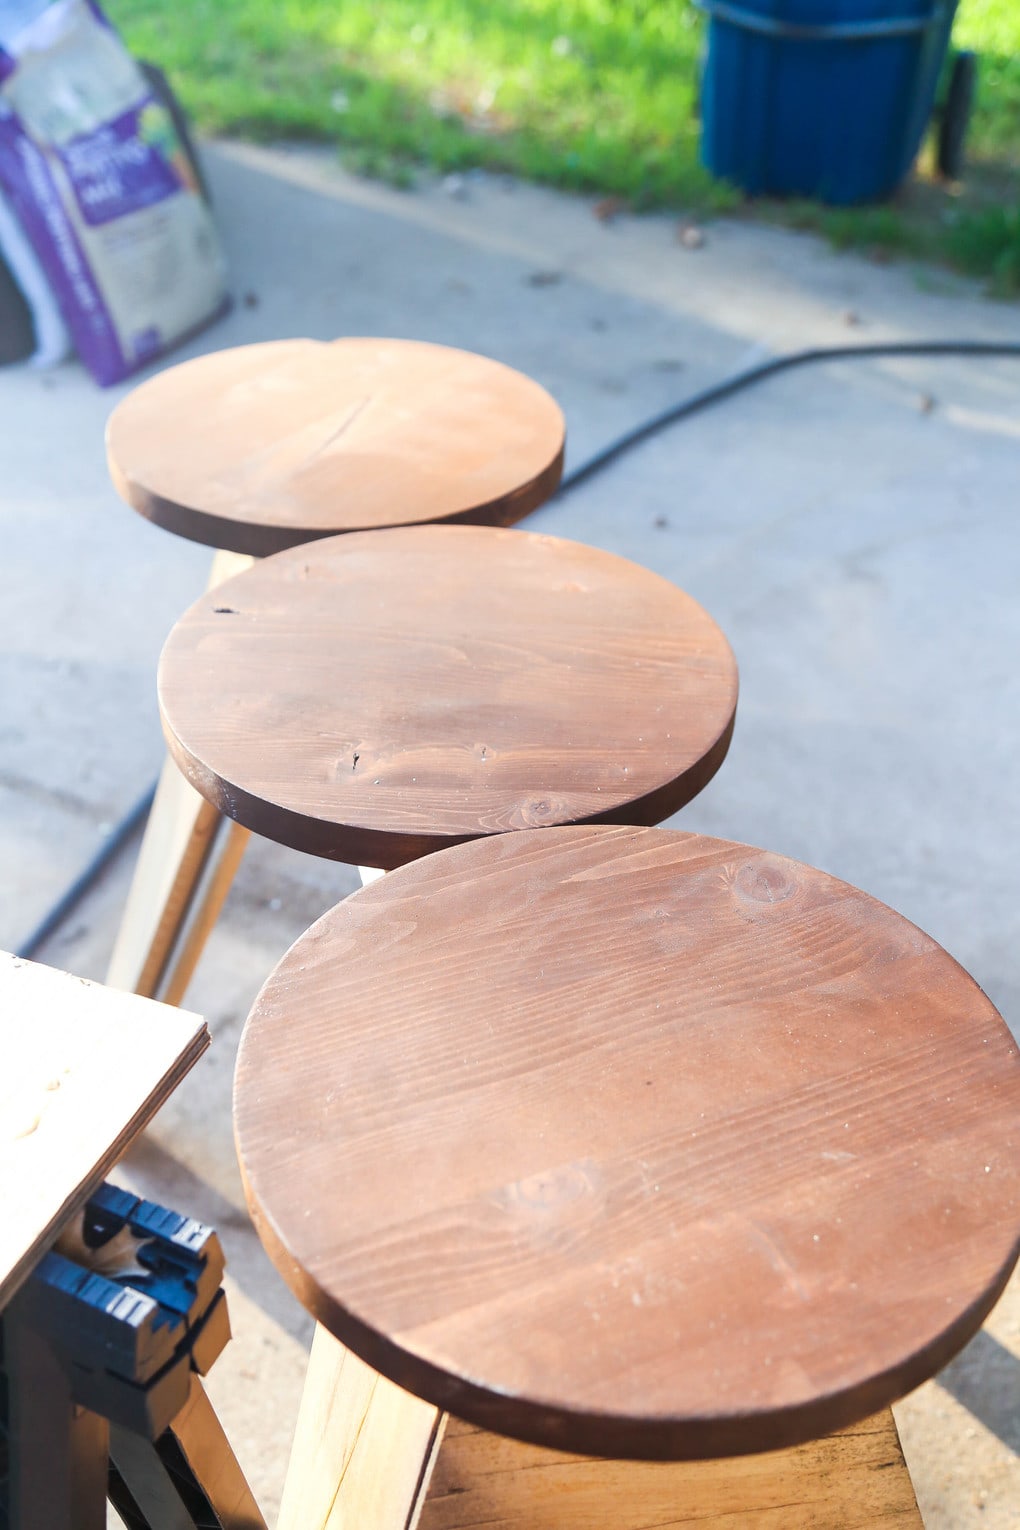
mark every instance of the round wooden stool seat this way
{"type": "Point", "coordinates": [268, 446]}
{"type": "Point", "coordinates": [374, 697]}
{"type": "Point", "coordinates": [633, 1143]}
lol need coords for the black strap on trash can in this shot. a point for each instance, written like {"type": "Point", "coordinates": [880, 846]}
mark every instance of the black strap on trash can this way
{"type": "Point", "coordinates": [833, 31]}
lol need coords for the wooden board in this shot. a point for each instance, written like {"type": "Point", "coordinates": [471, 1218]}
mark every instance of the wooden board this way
{"type": "Point", "coordinates": [633, 1143]}
{"type": "Point", "coordinates": [185, 866]}
{"type": "Point", "coordinates": [83, 1068]}
{"type": "Point", "coordinates": [266, 446]}
{"type": "Point", "coordinates": [363, 1451]}
{"type": "Point", "coordinates": [377, 696]}
{"type": "Point", "coordinates": [179, 842]}
{"type": "Point", "coordinates": [854, 1480]}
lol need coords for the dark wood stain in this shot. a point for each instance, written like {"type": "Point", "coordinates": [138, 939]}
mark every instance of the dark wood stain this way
{"type": "Point", "coordinates": [267, 446]}
{"type": "Point", "coordinates": [587, 1138]}
{"type": "Point", "coordinates": [373, 697]}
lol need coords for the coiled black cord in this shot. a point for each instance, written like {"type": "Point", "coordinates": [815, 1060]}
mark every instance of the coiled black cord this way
{"type": "Point", "coordinates": [765, 369]}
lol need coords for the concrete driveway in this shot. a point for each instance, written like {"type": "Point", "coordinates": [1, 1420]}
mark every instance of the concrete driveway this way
{"type": "Point", "coordinates": [851, 526]}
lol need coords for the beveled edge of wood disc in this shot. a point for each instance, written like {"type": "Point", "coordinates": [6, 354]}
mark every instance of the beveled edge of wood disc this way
{"type": "Point", "coordinates": [260, 539]}
{"type": "Point", "coordinates": [386, 849]}
{"type": "Point", "coordinates": [355, 845]}
{"type": "Point", "coordinates": [621, 1436]}
{"type": "Point", "coordinates": [588, 1432]}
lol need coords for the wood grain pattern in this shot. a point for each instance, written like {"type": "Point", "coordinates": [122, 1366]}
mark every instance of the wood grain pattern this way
{"type": "Point", "coordinates": [854, 1480]}
{"type": "Point", "coordinates": [82, 1070]}
{"type": "Point", "coordinates": [267, 446]}
{"type": "Point", "coordinates": [376, 696]}
{"type": "Point", "coordinates": [633, 1143]}
{"type": "Point", "coordinates": [363, 1451]}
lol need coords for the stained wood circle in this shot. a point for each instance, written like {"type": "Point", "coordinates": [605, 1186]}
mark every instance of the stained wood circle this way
{"type": "Point", "coordinates": [377, 696]}
{"type": "Point", "coordinates": [267, 446]}
{"type": "Point", "coordinates": [632, 1142]}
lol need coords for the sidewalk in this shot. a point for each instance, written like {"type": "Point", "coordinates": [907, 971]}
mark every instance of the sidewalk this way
{"type": "Point", "coordinates": [851, 526]}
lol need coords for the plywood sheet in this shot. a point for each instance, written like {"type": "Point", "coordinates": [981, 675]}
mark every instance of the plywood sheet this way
{"type": "Point", "coordinates": [83, 1068]}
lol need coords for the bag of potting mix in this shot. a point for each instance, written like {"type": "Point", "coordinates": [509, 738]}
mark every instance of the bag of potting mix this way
{"type": "Point", "coordinates": [96, 173]}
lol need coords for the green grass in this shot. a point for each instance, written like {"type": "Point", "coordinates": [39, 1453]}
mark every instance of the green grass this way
{"type": "Point", "coordinates": [594, 95]}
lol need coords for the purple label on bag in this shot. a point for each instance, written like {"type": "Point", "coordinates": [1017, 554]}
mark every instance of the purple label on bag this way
{"type": "Point", "coordinates": [123, 166]}
{"type": "Point", "coordinates": [25, 177]}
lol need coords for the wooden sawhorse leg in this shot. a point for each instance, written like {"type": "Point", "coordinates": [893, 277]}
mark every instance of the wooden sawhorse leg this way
{"type": "Point", "coordinates": [59, 1461]}
{"type": "Point", "coordinates": [100, 1381]}
{"type": "Point", "coordinates": [189, 857]}
{"type": "Point", "coordinates": [188, 1479]}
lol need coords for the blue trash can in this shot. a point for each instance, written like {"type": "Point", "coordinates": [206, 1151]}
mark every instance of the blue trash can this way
{"type": "Point", "coordinates": [820, 98]}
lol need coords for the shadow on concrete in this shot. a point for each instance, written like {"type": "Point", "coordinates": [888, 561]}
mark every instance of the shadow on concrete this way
{"type": "Point", "coordinates": [985, 1379]}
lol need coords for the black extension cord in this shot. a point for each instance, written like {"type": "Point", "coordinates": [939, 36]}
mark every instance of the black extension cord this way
{"type": "Point", "coordinates": [123, 831]}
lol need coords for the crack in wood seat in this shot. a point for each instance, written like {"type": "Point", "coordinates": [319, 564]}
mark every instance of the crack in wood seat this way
{"type": "Point", "coordinates": [632, 1143]}
{"type": "Point", "coordinates": [267, 446]}
{"type": "Point", "coordinates": [377, 696]}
